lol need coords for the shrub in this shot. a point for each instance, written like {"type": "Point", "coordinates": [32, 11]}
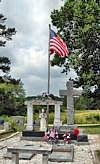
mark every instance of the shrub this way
{"type": "Point", "coordinates": [15, 127]}
{"type": "Point", "coordinates": [64, 117]}
{"type": "Point", "coordinates": [51, 118]}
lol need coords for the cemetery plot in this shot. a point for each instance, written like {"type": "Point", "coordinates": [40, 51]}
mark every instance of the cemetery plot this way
{"type": "Point", "coordinates": [62, 153]}
{"type": "Point", "coordinates": [22, 155]}
{"type": "Point", "coordinates": [35, 149]}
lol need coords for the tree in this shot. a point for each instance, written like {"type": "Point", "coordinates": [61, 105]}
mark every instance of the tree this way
{"type": "Point", "coordinates": [5, 32]}
{"type": "Point", "coordinates": [12, 93]}
{"type": "Point", "coordinates": [78, 24]}
{"type": "Point", "coordinates": [12, 96]}
{"type": "Point", "coordinates": [5, 64]}
{"type": "Point", "coordinates": [5, 35]}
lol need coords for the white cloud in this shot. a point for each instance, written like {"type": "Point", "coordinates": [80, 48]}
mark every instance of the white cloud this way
{"type": "Point", "coordinates": [28, 51]}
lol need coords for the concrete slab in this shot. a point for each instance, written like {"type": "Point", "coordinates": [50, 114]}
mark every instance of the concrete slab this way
{"type": "Point", "coordinates": [32, 138]}
{"type": "Point", "coordinates": [22, 155]}
{"type": "Point", "coordinates": [62, 153]}
{"type": "Point", "coordinates": [82, 143]}
{"type": "Point", "coordinates": [61, 157]}
{"type": "Point", "coordinates": [63, 148]}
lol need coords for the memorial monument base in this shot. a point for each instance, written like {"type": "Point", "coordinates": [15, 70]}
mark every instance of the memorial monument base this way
{"type": "Point", "coordinates": [32, 135]}
{"type": "Point", "coordinates": [82, 138]}
{"type": "Point", "coordinates": [65, 127]}
{"type": "Point", "coordinates": [57, 124]}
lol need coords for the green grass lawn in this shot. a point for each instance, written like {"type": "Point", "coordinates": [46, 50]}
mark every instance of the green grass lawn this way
{"type": "Point", "coordinates": [92, 129]}
{"type": "Point", "coordinates": [84, 117]}
{"type": "Point", "coordinates": [89, 120]}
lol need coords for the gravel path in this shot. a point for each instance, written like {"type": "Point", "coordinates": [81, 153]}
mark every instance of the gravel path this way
{"type": "Point", "coordinates": [83, 154]}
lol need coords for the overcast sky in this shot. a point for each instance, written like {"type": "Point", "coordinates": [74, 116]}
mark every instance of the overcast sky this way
{"type": "Point", "coordinates": [28, 51]}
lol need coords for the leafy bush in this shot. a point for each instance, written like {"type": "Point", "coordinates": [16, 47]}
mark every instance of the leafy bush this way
{"type": "Point", "coordinates": [5, 118]}
{"type": "Point", "coordinates": [64, 117]}
{"type": "Point", "coordinates": [51, 118]}
{"type": "Point", "coordinates": [13, 126]}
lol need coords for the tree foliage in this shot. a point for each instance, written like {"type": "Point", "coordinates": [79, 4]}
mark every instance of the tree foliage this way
{"type": "Point", "coordinates": [78, 23]}
{"type": "Point", "coordinates": [12, 93]}
{"type": "Point", "coordinates": [6, 34]}
{"type": "Point", "coordinates": [11, 96]}
{"type": "Point", "coordinates": [5, 64]}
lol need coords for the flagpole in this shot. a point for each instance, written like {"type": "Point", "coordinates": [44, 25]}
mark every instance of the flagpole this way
{"type": "Point", "coordinates": [48, 74]}
{"type": "Point", "coordinates": [49, 62]}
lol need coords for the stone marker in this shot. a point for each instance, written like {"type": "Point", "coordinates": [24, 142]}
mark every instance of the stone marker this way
{"type": "Point", "coordinates": [62, 153]}
{"type": "Point", "coordinates": [19, 120]}
{"type": "Point", "coordinates": [70, 93]}
{"type": "Point", "coordinates": [57, 120]}
{"type": "Point", "coordinates": [6, 126]}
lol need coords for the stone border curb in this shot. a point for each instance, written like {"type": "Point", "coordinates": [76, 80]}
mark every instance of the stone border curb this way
{"type": "Point", "coordinates": [12, 135]}
{"type": "Point", "coordinates": [96, 158]}
{"type": "Point", "coordinates": [92, 154]}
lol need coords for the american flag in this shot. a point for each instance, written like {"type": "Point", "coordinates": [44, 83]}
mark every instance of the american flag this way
{"type": "Point", "coordinates": [57, 45]}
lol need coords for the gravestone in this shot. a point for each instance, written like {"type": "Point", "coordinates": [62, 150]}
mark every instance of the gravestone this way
{"type": "Point", "coordinates": [19, 120]}
{"type": "Point", "coordinates": [70, 93]}
{"type": "Point", "coordinates": [7, 126]}
{"type": "Point", "coordinates": [57, 120]}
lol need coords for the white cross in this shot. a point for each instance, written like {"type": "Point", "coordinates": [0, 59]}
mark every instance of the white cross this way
{"type": "Point", "coordinates": [70, 93]}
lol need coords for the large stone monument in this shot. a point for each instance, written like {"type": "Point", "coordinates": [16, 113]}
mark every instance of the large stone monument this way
{"type": "Point", "coordinates": [29, 131]}
{"type": "Point", "coordinates": [70, 93]}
